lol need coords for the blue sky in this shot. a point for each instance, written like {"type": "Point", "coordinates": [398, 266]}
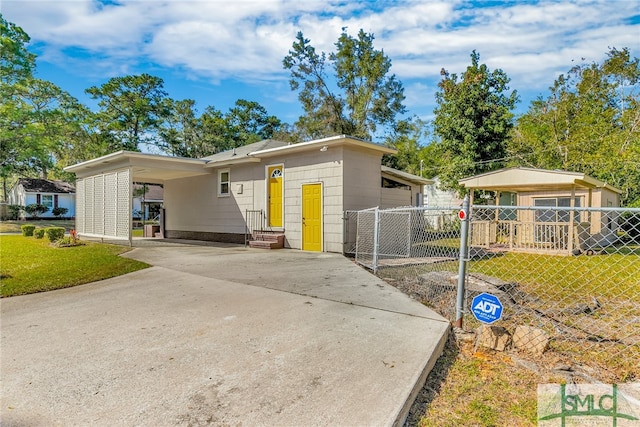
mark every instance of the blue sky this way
{"type": "Point", "coordinates": [216, 52]}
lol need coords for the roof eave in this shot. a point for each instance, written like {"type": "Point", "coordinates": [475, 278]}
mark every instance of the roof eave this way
{"type": "Point", "coordinates": [231, 162]}
{"type": "Point", "coordinates": [126, 155]}
{"type": "Point", "coordinates": [328, 142]}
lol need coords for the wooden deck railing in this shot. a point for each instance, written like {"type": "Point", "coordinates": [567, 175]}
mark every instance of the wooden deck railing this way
{"type": "Point", "coordinates": [548, 237]}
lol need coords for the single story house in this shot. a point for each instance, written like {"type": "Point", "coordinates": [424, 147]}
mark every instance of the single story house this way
{"type": "Point", "coordinates": [299, 190]}
{"type": "Point", "coordinates": [443, 206]}
{"type": "Point", "coordinates": [147, 200]}
{"type": "Point", "coordinates": [543, 226]}
{"type": "Point", "coordinates": [51, 194]}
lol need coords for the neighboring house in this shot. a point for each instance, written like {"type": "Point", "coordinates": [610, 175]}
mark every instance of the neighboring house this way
{"type": "Point", "coordinates": [553, 229]}
{"type": "Point", "coordinates": [147, 200]}
{"type": "Point", "coordinates": [51, 194]}
{"type": "Point", "coordinates": [443, 206]}
{"type": "Point", "coordinates": [300, 190]}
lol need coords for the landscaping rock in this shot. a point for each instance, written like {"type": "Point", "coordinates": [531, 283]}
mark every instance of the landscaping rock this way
{"type": "Point", "coordinates": [494, 337]}
{"type": "Point", "coordinates": [530, 339]}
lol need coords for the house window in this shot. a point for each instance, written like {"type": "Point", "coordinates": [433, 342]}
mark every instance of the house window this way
{"type": "Point", "coordinates": [554, 215]}
{"type": "Point", "coordinates": [47, 200]}
{"type": "Point", "coordinates": [224, 181]}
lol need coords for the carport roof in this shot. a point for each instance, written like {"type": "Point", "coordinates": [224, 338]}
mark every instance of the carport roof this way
{"type": "Point", "coordinates": [529, 179]}
{"type": "Point", "coordinates": [145, 167]}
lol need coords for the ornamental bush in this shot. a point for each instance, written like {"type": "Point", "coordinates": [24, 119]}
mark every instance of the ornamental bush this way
{"type": "Point", "coordinates": [35, 209]}
{"type": "Point", "coordinates": [59, 211]}
{"type": "Point", "coordinates": [54, 233]}
{"type": "Point", "coordinates": [67, 242]}
{"type": "Point", "coordinates": [27, 229]}
{"type": "Point", "coordinates": [38, 233]}
{"type": "Point", "coordinates": [14, 211]}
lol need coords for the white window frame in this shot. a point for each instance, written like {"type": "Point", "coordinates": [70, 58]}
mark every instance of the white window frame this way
{"type": "Point", "coordinates": [222, 193]}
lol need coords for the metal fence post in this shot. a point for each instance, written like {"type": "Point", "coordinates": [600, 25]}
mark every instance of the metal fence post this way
{"type": "Point", "coordinates": [462, 268]}
{"type": "Point", "coordinates": [376, 227]}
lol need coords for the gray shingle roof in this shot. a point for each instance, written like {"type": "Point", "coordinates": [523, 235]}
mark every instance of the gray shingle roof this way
{"type": "Point", "coordinates": [37, 185]}
{"type": "Point", "coordinates": [245, 150]}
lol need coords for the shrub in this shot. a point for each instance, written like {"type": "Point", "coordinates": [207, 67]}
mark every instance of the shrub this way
{"type": "Point", "coordinates": [59, 211]}
{"type": "Point", "coordinates": [27, 229]}
{"type": "Point", "coordinates": [35, 209]}
{"type": "Point", "coordinates": [39, 233]}
{"type": "Point", "coordinates": [54, 233]}
{"type": "Point", "coordinates": [14, 211]}
{"type": "Point", "coordinates": [66, 242]}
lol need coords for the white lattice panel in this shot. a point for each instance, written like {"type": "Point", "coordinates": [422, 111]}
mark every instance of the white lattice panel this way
{"type": "Point", "coordinates": [111, 200]}
{"type": "Point", "coordinates": [104, 205]}
{"type": "Point", "coordinates": [80, 206]}
{"type": "Point", "coordinates": [98, 205]}
{"type": "Point", "coordinates": [123, 218]}
{"type": "Point", "coordinates": [88, 206]}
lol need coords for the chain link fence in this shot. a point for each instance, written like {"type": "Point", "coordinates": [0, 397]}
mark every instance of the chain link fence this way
{"type": "Point", "coordinates": [568, 278]}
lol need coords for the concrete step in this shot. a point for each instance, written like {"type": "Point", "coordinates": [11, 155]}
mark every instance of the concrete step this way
{"type": "Point", "coordinates": [265, 244]}
{"type": "Point", "coordinates": [269, 237]}
{"type": "Point", "coordinates": [267, 240]}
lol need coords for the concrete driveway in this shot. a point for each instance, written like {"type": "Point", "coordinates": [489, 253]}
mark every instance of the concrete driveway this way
{"type": "Point", "coordinates": [218, 335]}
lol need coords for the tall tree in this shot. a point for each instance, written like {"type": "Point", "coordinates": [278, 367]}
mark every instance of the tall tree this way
{"type": "Point", "coordinates": [412, 156]}
{"type": "Point", "coordinates": [185, 134]}
{"type": "Point", "coordinates": [473, 120]}
{"type": "Point", "coordinates": [180, 132]}
{"type": "Point", "coordinates": [42, 127]}
{"type": "Point", "coordinates": [348, 92]}
{"type": "Point", "coordinates": [132, 109]}
{"type": "Point", "coordinates": [589, 123]}
{"type": "Point", "coordinates": [16, 69]}
{"type": "Point", "coordinates": [250, 122]}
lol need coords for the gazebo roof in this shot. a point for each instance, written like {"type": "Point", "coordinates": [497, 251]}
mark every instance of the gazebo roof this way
{"type": "Point", "coordinates": [528, 179]}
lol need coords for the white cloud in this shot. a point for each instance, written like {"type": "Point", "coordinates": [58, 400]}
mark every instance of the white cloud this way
{"type": "Point", "coordinates": [247, 39]}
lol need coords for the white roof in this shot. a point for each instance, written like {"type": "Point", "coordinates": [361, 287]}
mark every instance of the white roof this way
{"type": "Point", "coordinates": [528, 179]}
{"type": "Point", "coordinates": [407, 176]}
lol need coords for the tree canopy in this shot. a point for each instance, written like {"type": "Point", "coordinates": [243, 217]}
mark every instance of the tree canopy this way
{"type": "Point", "coordinates": [473, 121]}
{"type": "Point", "coordinates": [348, 91]}
{"type": "Point", "coordinates": [38, 120]}
{"type": "Point", "coordinates": [589, 123]}
{"type": "Point", "coordinates": [43, 128]}
{"type": "Point", "coordinates": [187, 135]}
{"type": "Point", "coordinates": [132, 108]}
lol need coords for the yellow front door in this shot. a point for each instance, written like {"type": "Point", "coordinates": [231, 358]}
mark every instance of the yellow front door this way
{"type": "Point", "coordinates": [275, 196]}
{"type": "Point", "coordinates": [312, 217]}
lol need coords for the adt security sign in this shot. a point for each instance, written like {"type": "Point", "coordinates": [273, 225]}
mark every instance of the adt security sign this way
{"type": "Point", "coordinates": [486, 308]}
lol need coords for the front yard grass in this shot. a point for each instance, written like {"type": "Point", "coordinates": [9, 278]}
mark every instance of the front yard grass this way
{"type": "Point", "coordinates": [479, 388]}
{"type": "Point", "coordinates": [29, 265]}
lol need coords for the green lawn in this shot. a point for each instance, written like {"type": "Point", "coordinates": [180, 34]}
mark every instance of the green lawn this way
{"type": "Point", "coordinates": [560, 277]}
{"type": "Point", "coordinates": [30, 265]}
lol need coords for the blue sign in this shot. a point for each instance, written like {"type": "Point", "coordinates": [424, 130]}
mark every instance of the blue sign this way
{"type": "Point", "coordinates": [486, 308]}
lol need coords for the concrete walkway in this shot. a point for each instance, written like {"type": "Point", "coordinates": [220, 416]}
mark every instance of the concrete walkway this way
{"type": "Point", "coordinates": [218, 335]}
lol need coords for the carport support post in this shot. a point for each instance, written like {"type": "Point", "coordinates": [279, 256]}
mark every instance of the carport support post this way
{"type": "Point", "coordinates": [462, 269]}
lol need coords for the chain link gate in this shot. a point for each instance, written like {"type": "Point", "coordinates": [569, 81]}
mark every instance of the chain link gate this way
{"type": "Point", "coordinates": [568, 277]}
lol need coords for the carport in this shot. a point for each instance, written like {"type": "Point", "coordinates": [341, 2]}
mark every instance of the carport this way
{"type": "Point", "coordinates": [104, 188]}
